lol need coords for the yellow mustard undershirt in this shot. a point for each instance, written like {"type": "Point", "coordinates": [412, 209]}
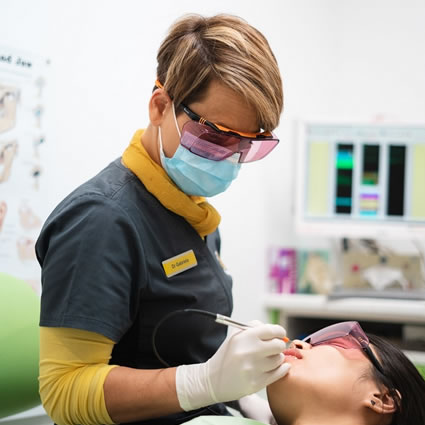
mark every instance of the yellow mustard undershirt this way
{"type": "Point", "coordinates": [74, 362]}
{"type": "Point", "coordinates": [73, 368]}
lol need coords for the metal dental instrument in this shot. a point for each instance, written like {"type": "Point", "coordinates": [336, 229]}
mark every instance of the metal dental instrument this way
{"type": "Point", "coordinates": [227, 321]}
{"type": "Point", "coordinates": [224, 320]}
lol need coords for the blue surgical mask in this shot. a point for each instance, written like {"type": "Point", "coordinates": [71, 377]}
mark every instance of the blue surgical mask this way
{"type": "Point", "coordinates": [195, 175]}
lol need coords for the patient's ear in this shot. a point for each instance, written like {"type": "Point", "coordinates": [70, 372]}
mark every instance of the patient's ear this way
{"type": "Point", "coordinates": [381, 401]}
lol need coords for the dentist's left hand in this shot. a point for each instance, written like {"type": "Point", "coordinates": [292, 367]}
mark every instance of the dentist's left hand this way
{"type": "Point", "coordinates": [246, 362]}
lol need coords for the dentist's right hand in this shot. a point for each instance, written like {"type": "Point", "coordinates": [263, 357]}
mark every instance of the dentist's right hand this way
{"type": "Point", "coordinates": [246, 362]}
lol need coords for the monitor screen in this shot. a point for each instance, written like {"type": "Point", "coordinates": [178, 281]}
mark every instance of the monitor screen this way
{"type": "Point", "coordinates": [363, 181]}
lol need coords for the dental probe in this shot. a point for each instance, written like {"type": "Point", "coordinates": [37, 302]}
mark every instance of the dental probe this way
{"type": "Point", "coordinates": [224, 320]}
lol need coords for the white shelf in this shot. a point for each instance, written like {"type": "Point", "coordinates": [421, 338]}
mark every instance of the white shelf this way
{"type": "Point", "coordinates": [373, 309]}
{"type": "Point", "coordinates": [416, 356]}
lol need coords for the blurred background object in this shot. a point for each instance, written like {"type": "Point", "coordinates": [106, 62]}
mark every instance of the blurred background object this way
{"type": "Point", "coordinates": [19, 313]}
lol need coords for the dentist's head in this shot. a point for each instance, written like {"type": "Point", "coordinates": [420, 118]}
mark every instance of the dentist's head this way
{"type": "Point", "coordinates": [217, 98]}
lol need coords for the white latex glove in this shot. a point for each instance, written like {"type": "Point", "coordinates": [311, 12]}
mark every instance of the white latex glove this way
{"type": "Point", "coordinates": [246, 362]}
{"type": "Point", "coordinates": [255, 407]}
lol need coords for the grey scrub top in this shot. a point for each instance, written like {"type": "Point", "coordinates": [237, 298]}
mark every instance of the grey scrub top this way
{"type": "Point", "coordinates": [101, 252]}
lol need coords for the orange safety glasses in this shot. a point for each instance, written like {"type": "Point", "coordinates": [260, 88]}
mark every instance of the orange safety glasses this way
{"type": "Point", "coordinates": [216, 142]}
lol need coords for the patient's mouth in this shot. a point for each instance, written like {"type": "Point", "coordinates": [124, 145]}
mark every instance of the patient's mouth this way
{"type": "Point", "coordinates": [293, 352]}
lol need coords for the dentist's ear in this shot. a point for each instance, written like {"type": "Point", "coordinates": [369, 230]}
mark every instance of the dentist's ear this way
{"type": "Point", "coordinates": [159, 104]}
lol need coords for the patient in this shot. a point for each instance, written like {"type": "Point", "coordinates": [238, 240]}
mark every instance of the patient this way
{"type": "Point", "coordinates": [336, 377]}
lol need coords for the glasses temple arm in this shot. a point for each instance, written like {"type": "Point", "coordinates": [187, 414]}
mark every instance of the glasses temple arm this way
{"type": "Point", "coordinates": [373, 358]}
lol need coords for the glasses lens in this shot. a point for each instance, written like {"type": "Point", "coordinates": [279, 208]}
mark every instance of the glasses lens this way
{"type": "Point", "coordinates": [203, 141]}
{"type": "Point", "coordinates": [339, 330]}
{"type": "Point", "coordinates": [358, 333]}
{"type": "Point", "coordinates": [344, 335]}
{"type": "Point", "coordinates": [258, 149]}
{"type": "Point", "coordinates": [208, 143]}
{"type": "Point", "coordinates": [203, 148]}
{"type": "Point", "coordinates": [345, 342]}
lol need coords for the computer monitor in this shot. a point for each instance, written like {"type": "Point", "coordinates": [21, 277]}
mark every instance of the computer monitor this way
{"type": "Point", "coordinates": [360, 180]}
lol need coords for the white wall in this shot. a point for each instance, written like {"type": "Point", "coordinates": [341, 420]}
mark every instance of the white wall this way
{"type": "Point", "coordinates": [339, 59]}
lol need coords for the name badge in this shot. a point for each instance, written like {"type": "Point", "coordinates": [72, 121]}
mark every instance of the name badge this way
{"type": "Point", "coordinates": [179, 263]}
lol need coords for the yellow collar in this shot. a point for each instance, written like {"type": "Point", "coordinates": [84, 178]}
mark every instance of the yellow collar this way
{"type": "Point", "coordinates": [195, 209]}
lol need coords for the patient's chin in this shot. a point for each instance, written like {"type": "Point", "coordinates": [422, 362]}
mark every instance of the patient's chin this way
{"type": "Point", "coordinates": [279, 386]}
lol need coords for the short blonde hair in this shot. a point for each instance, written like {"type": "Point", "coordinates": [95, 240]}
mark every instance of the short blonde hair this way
{"type": "Point", "coordinates": [225, 48]}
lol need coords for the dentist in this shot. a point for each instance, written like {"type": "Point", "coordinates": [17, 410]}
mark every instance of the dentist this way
{"type": "Point", "coordinates": [139, 241]}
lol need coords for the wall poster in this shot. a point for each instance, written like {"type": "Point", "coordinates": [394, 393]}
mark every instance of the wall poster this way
{"type": "Point", "coordinates": [22, 141]}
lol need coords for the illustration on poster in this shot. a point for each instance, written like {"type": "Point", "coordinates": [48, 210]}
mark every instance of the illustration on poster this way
{"type": "Point", "coordinates": [25, 248]}
{"type": "Point", "coordinates": [27, 218]}
{"type": "Point", "coordinates": [7, 155]}
{"type": "Point", "coordinates": [9, 97]}
{"type": "Point", "coordinates": [23, 80]}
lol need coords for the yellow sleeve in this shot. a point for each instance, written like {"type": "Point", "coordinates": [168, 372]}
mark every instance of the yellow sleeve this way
{"type": "Point", "coordinates": [73, 368]}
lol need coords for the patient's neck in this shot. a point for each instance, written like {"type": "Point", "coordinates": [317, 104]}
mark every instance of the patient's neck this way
{"type": "Point", "coordinates": [329, 419]}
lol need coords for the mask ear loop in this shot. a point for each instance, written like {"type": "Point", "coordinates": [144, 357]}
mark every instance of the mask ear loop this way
{"type": "Point", "coordinates": [161, 150]}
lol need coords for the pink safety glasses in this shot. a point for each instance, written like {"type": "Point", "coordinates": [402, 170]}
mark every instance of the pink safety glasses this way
{"type": "Point", "coordinates": [344, 335]}
{"type": "Point", "coordinates": [215, 142]}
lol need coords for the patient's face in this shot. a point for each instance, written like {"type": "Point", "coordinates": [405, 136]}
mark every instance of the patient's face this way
{"type": "Point", "coordinates": [321, 378]}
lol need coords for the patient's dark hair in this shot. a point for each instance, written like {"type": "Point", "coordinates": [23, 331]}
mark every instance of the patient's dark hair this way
{"type": "Point", "coordinates": [403, 379]}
